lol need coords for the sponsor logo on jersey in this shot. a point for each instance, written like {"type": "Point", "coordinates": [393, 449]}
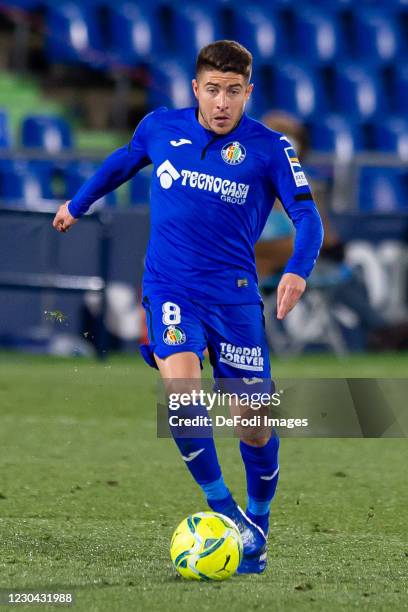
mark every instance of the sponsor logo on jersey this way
{"type": "Point", "coordinates": [167, 173]}
{"type": "Point", "coordinates": [296, 168]}
{"type": "Point", "coordinates": [242, 357]}
{"type": "Point", "coordinates": [230, 191]}
{"type": "Point", "coordinates": [174, 335]}
{"type": "Point", "coordinates": [233, 153]}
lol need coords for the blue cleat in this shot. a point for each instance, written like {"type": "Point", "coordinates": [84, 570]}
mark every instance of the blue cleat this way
{"type": "Point", "coordinates": [255, 564]}
{"type": "Point", "coordinates": [253, 539]}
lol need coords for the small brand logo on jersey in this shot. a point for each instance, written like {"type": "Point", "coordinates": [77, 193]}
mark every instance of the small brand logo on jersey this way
{"type": "Point", "coordinates": [180, 141]}
{"type": "Point", "coordinates": [174, 335]}
{"type": "Point", "coordinates": [252, 381]}
{"type": "Point", "coordinates": [233, 153]}
{"type": "Point", "coordinates": [296, 168]}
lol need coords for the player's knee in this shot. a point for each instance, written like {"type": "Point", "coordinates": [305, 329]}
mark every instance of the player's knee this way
{"type": "Point", "coordinates": [184, 365]}
{"type": "Point", "coordinates": [257, 441]}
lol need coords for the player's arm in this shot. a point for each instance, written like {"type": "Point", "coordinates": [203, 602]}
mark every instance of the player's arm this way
{"type": "Point", "coordinates": [118, 168]}
{"type": "Point", "coordinates": [291, 187]}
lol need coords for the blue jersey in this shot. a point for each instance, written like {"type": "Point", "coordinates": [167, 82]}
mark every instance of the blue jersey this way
{"type": "Point", "coordinates": [210, 197]}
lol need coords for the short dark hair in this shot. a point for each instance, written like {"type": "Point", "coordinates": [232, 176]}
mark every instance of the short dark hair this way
{"type": "Point", "coordinates": [225, 56]}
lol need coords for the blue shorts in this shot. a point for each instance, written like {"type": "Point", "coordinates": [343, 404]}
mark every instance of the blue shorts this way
{"type": "Point", "coordinates": [234, 335]}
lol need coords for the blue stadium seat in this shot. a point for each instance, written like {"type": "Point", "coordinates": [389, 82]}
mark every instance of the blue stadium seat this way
{"type": "Point", "coordinates": [170, 84]}
{"type": "Point", "coordinates": [323, 4]}
{"type": "Point", "coordinates": [73, 34]}
{"type": "Point", "coordinates": [25, 182]}
{"type": "Point", "coordinates": [317, 35]}
{"type": "Point", "coordinates": [391, 135]}
{"type": "Point", "coordinates": [298, 90]}
{"type": "Point", "coordinates": [400, 89]}
{"type": "Point", "coordinates": [260, 30]}
{"type": "Point", "coordinates": [5, 136]}
{"type": "Point", "coordinates": [359, 92]}
{"type": "Point", "coordinates": [50, 133]}
{"type": "Point", "coordinates": [376, 35]}
{"type": "Point", "coordinates": [75, 175]}
{"type": "Point", "coordinates": [383, 189]}
{"type": "Point", "coordinates": [193, 27]}
{"type": "Point", "coordinates": [135, 34]}
{"type": "Point", "coordinates": [27, 5]}
{"type": "Point", "coordinates": [335, 134]}
{"type": "Point", "coordinates": [258, 103]}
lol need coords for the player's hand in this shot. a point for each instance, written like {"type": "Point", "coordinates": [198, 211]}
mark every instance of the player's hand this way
{"type": "Point", "coordinates": [63, 220]}
{"type": "Point", "coordinates": [290, 290]}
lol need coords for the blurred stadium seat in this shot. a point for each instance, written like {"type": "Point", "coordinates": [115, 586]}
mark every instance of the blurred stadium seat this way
{"type": "Point", "coordinates": [391, 135]}
{"type": "Point", "coordinates": [400, 89]}
{"type": "Point", "coordinates": [50, 133]}
{"type": "Point", "coordinates": [298, 89]}
{"type": "Point", "coordinates": [317, 35]}
{"type": "Point", "coordinates": [72, 34]}
{"type": "Point", "coordinates": [383, 189]}
{"type": "Point", "coordinates": [135, 34]}
{"type": "Point", "coordinates": [25, 182]}
{"type": "Point", "coordinates": [334, 133]}
{"type": "Point", "coordinates": [5, 136]}
{"type": "Point", "coordinates": [193, 27]}
{"type": "Point", "coordinates": [376, 35]}
{"type": "Point", "coordinates": [259, 102]}
{"type": "Point", "coordinates": [260, 30]}
{"type": "Point", "coordinates": [359, 92]}
{"type": "Point", "coordinates": [170, 84]}
{"type": "Point", "coordinates": [76, 173]}
{"type": "Point", "coordinates": [24, 4]}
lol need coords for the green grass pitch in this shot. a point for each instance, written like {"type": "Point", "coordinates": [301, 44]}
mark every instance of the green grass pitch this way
{"type": "Point", "coordinates": [89, 498]}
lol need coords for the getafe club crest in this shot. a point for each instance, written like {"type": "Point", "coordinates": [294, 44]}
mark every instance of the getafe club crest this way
{"type": "Point", "coordinates": [174, 335]}
{"type": "Point", "coordinates": [233, 153]}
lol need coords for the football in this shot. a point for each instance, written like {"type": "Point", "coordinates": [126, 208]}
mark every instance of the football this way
{"type": "Point", "coordinates": [206, 546]}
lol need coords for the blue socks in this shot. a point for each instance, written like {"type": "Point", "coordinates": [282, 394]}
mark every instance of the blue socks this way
{"type": "Point", "coordinates": [200, 456]}
{"type": "Point", "coordinates": [262, 473]}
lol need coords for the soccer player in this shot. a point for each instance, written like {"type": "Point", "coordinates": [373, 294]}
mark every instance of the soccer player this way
{"type": "Point", "coordinates": [216, 174]}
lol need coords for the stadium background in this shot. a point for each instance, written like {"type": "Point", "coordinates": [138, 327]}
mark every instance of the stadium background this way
{"type": "Point", "coordinates": [89, 496]}
{"type": "Point", "coordinates": [76, 77]}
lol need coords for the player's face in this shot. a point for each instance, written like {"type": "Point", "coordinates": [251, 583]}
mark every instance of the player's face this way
{"type": "Point", "coordinates": [221, 99]}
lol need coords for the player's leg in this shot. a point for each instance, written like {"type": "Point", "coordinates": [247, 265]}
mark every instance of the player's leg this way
{"type": "Point", "coordinates": [241, 353]}
{"type": "Point", "coordinates": [262, 473]}
{"type": "Point", "coordinates": [176, 345]}
{"type": "Point", "coordinates": [240, 357]}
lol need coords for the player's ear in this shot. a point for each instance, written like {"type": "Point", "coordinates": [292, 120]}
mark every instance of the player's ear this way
{"type": "Point", "coordinates": [195, 87]}
{"type": "Point", "coordinates": [248, 91]}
